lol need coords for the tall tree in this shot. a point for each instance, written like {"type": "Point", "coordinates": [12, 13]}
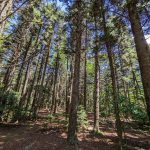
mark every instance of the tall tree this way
{"type": "Point", "coordinates": [142, 49]}
{"type": "Point", "coordinates": [113, 76]}
{"type": "Point", "coordinates": [5, 9]}
{"type": "Point", "coordinates": [77, 23]}
{"type": "Point", "coordinates": [96, 93]}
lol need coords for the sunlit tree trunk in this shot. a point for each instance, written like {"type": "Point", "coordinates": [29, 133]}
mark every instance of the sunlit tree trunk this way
{"type": "Point", "coordinates": [25, 82]}
{"type": "Point", "coordinates": [19, 77]}
{"type": "Point", "coordinates": [31, 86]}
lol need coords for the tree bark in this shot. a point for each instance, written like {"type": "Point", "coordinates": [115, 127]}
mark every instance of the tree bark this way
{"type": "Point", "coordinates": [113, 78]}
{"type": "Point", "coordinates": [54, 84]}
{"type": "Point", "coordinates": [5, 8]}
{"type": "Point", "coordinates": [72, 128]}
{"type": "Point", "coordinates": [142, 49]}
{"type": "Point", "coordinates": [96, 73]}
{"type": "Point", "coordinates": [85, 69]}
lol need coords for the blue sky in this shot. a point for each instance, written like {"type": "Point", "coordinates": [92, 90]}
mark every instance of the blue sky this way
{"type": "Point", "coordinates": [61, 5]}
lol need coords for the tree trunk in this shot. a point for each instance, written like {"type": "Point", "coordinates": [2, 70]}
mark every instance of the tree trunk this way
{"type": "Point", "coordinates": [72, 128]}
{"type": "Point", "coordinates": [67, 89]}
{"type": "Point", "coordinates": [85, 69]}
{"type": "Point", "coordinates": [19, 78]}
{"type": "Point", "coordinates": [115, 95]}
{"type": "Point", "coordinates": [54, 84]}
{"type": "Point", "coordinates": [96, 92]}
{"type": "Point", "coordinates": [142, 49]}
{"type": "Point", "coordinates": [113, 78]}
{"type": "Point", "coordinates": [30, 89]}
{"type": "Point", "coordinates": [5, 9]}
{"type": "Point", "coordinates": [96, 73]}
{"type": "Point", "coordinates": [25, 82]}
{"type": "Point", "coordinates": [85, 78]}
{"type": "Point", "coordinates": [36, 94]}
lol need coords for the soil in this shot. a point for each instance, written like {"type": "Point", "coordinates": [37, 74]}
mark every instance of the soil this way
{"type": "Point", "coordinates": [43, 135]}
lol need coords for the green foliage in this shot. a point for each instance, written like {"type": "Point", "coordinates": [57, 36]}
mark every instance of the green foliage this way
{"type": "Point", "coordinates": [97, 133]}
{"type": "Point", "coordinates": [2, 49]}
{"type": "Point", "coordinates": [90, 67]}
{"type": "Point", "coordinates": [73, 140]}
{"type": "Point", "coordinates": [45, 125]}
{"type": "Point", "coordinates": [138, 113]}
{"type": "Point", "coordinates": [50, 117]}
{"type": "Point", "coordinates": [10, 100]}
{"type": "Point", "coordinates": [41, 88]}
{"type": "Point", "coordinates": [82, 117]}
{"type": "Point", "coordinates": [21, 114]}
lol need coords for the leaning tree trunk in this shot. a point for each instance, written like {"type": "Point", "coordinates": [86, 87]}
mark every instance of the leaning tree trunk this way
{"type": "Point", "coordinates": [41, 97]}
{"type": "Point", "coordinates": [5, 9]}
{"type": "Point", "coordinates": [36, 94]}
{"type": "Point", "coordinates": [25, 82]}
{"type": "Point", "coordinates": [31, 87]}
{"type": "Point", "coordinates": [19, 77]}
{"type": "Point", "coordinates": [11, 67]}
{"type": "Point", "coordinates": [142, 49]}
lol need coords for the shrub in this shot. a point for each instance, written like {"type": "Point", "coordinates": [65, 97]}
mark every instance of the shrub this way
{"type": "Point", "coordinates": [82, 117]}
{"type": "Point", "coordinates": [9, 103]}
{"type": "Point", "coordinates": [138, 113]}
{"type": "Point", "coordinates": [50, 117]}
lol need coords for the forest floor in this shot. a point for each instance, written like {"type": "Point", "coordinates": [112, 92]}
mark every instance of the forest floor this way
{"type": "Point", "coordinates": [39, 135]}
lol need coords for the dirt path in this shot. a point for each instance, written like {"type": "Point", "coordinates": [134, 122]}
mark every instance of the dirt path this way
{"type": "Point", "coordinates": [32, 136]}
